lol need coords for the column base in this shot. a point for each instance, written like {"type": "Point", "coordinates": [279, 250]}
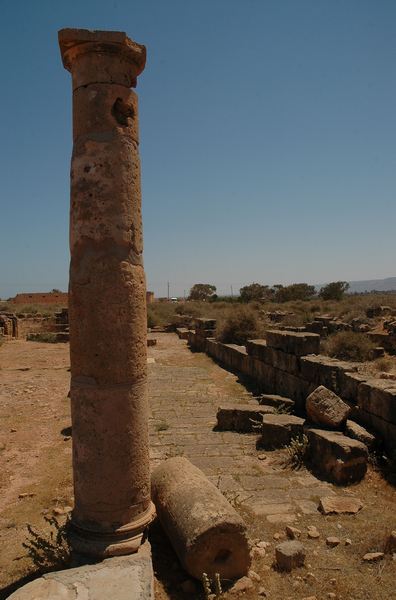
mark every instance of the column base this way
{"type": "Point", "coordinates": [126, 540]}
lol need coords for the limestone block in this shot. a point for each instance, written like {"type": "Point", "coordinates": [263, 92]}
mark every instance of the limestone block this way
{"type": "Point", "coordinates": [378, 396]}
{"type": "Point", "coordinates": [206, 532]}
{"type": "Point", "coordinates": [272, 356]}
{"type": "Point", "coordinates": [338, 458]}
{"type": "Point", "coordinates": [357, 432]}
{"type": "Point", "coordinates": [299, 344]}
{"type": "Point", "coordinates": [289, 555]}
{"type": "Point", "coordinates": [324, 407]}
{"type": "Point", "coordinates": [205, 323]}
{"type": "Point", "coordinates": [349, 385]}
{"type": "Point", "coordinates": [277, 431]}
{"type": "Point", "coordinates": [182, 332]}
{"type": "Point", "coordinates": [239, 417]}
{"type": "Point", "coordinates": [340, 505]}
{"type": "Point", "coordinates": [264, 375]}
{"type": "Point", "coordinates": [324, 370]}
{"type": "Point", "coordinates": [293, 387]}
{"type": "Point", "coordinates": [123, 578]}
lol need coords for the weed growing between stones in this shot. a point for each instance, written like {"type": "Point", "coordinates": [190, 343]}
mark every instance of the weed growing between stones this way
{"type": "Point", "coordinates": [296, 452]}
{"type": "Point", "coordinates": [49, 551]}
{"type": "Point", "coordinates": [207, 586]}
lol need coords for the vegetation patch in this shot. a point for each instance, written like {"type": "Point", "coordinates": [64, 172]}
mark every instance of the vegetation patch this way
{"type": "Point", "coordinates": [348, 345]}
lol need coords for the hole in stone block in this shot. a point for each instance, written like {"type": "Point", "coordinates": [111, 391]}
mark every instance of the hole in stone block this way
{"type": "Point", "coordinates": [122, 111]}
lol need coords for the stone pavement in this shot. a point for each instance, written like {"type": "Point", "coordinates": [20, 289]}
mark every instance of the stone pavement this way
{"type": "Point", "coordinates": [185, 390]}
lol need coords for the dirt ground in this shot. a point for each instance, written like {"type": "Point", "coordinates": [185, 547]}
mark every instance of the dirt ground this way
{"type": "Point", "coordinates": [35, 477]}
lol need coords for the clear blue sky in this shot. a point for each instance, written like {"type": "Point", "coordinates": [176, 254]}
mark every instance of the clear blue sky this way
{"type": "Point", "coordinates": [268, 139]}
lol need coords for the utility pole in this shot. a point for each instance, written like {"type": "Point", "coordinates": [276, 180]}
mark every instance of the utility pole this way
{"type": "Point", "coordinates": [168, 291]}
{"type": "Point", "coordinates": [232, 292]}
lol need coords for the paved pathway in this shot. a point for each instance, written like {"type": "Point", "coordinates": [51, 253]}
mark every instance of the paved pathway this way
{"type": "Point", "coordinates": [185, 390]}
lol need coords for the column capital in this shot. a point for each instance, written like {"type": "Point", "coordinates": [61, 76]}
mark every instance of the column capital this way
{"type": "Point", "coordinates": [89, 55]}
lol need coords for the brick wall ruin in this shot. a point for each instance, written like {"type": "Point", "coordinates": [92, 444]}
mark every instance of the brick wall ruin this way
{"type": "Point", "coordinates": [289, 364]}
{"type": "Point", "coordinates": [41, 298]}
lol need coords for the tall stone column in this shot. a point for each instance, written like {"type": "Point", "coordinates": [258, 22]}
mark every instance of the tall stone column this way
{"type": "Point", "coordinates": [107, 297]}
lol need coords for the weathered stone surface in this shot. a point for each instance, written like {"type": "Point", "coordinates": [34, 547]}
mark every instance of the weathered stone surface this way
{"type": "Point", "coordinates": [333, 541]}
{"type": "Point", "coordinates": [122, 578]}
{"type": "Point", "coordinates": [373, 556]}
{"type": "Point", "coordinates": [348, 385]}
{"type": "Point", "coordinates": [324, 407]}
{"type": "Point", "coordinates": [206, 532]}
{"type": "Point", "coordinates": [299, 344]}
{"type": "Point", "coordinates": [340, 505]}
{"type": "Point", "coordinates": [293, 387]}
{"type": "Point", "coordinates": [338, 458]}
{"type": "Point", "coordinates": [205, 324]}
{"type": "Point", "coordinates": [326, 371]}
{"type": "Point", "coordinates": [279, 359]}
{"type": "Point", "coordinates": [277, 431]}
{"type": "Point", "coordinates": [378, 397]}
{"type": "Point", "coordinates": [108, 355]}
{"type": "Point", "coordinates": [313, 532]}
{"type": "Point", "coordinates": [239, 417]}
{"type": "Point", "coordinates": [182, 332]}
{"type": "Point", "coordinates": [357, 432]}
{"type": "Point", "coordinates": [289, 555]}
{"type": "Point", "coordinates": [279, 402]}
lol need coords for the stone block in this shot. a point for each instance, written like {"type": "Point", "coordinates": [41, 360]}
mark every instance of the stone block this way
{"type": "Point", "coordinates": [125, 578]}
{"type": "Point", "coordinates": [378, 397]}
{"type": "Point", "coordinates": [205, 323]}
{"type": "Point", "coordinates": [293, 387]}
{"type": "Point", "coordinates": [340, 505]}
{"type": "Point", "coordinates": [296, 343]}
{"type": "Point", "coordinates": [264, 375]}
{"type": "Point", "coordinates": [182, 332]}
{"type": "Point", "coordinates": [325, 408]}
{"type": "Point", "coordinates": [348, 385]}
{"type": "Point", "coordinates": [338, 458]}
{"type": "Point", "coordinates": [277, 431]}
{"type": "Point", "coordinates": [357, 432]}
{"type": "Point", "coordinates": [324, 370]}
{"type": "Point", "coordinates": [274, 357]}
{"type": "Point", "coordinates": [245, 418]}
{"type": "Point", "coordinates": [289, 555]}
{"type": "Point", "coordinates": [386, 430]}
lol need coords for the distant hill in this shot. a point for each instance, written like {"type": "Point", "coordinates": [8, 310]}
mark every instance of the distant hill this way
{"type": "Point", "coordinates": [378, 285]}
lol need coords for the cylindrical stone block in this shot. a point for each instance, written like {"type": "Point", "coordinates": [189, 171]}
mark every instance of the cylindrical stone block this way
{"type": "Point", "coordinates": [107, 297]}
{"type": "Point", "coordinates": [206, 532]}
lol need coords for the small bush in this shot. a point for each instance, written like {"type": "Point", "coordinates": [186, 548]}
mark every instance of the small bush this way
{"type": "Point", "coordinates": [348, 345]}
{"type": "Point", "coordinates": [49, 551]}
{"type": "Point", "coordinates": [240, 325]}
{"type": "Point", "coordinates": [384, 364]}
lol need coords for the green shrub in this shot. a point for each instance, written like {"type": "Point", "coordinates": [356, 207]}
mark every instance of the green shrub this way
{"type": "Point", "coordinates": [348, 345]}
{"type": "Point", "coordinates": [238, 326]}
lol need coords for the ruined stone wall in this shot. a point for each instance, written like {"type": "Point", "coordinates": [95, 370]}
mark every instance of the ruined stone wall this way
{"type": "Point", "coordinates": [41, 298]}
{"type": "Point", "coordinates": [279, 365]}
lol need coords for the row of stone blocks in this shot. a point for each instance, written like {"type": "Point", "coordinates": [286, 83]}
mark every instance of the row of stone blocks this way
{"type": "Point", "coordinates": [288, 364]}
